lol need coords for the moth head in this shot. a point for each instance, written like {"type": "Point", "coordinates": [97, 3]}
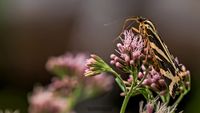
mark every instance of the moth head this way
{"type": "Point", "coordinates": [141, 19]}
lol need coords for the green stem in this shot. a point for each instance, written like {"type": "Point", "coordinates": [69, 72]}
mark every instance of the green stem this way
{"type": "Point", "coordinates": [119, 77]}
{"type": "Point", "coordinates": [179, 99]}
{"type": "Point", "coordinates": [128, 93]}
{"type": "Point", "coordinates": [127, 97]}
{"type": "Point", "coordinates": [125, 102]}
{"type": "Point", "coordinates": [165, 98]}
{"type": "Point", "coordinates": [182, 95]}
{"type": "Point", "coordinates": [132, 89]}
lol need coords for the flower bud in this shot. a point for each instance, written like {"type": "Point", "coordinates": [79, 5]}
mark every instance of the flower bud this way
{"type": "Point", "coordinates": [154, 86]}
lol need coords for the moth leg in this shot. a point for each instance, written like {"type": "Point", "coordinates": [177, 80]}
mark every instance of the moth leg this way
{"type": "Point", "coordinates": [135, 29]}
{"type": "Point", "coordinates": [134, 19]}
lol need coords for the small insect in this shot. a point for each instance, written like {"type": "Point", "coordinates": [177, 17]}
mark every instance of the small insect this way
{"type": "Point", "coordinates": [165, 61]}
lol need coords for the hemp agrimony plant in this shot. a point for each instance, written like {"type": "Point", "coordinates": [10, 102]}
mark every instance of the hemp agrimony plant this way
{"type": "Point", "coordinates": [147, 68]}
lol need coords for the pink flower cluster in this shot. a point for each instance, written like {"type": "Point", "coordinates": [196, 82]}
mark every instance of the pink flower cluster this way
{"type": "Point", "coordinates": [130, 50]}
{"type": "Point", "coordinates": [153, 79]}
{"type": "Point", "coordinates": [134, 53]}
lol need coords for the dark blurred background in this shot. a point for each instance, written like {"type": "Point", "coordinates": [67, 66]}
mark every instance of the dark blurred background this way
{"type": "Point", "coordinates": [33, 30]}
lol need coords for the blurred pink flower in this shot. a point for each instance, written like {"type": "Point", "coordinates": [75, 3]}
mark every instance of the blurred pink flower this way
{"type": "Point", "coordinates": [44, 101]}
{"type": "Point", "coordinates": [64, 92]}
{"type": "Point", "coordinates": [71, 64]}
{"type": "Point", "coordinates": [64, 86]}
{"type": "Point", "coordinates": [102, 82]}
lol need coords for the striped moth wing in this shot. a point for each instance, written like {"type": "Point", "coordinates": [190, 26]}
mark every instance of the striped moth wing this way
{"type": "Point", "coordinates": [164, 61]}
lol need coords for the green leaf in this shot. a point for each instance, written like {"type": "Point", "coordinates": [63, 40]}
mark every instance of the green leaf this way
{"type": "Point", "coordinates": [119, 82]}
{"type": "Point", "coordinates": [145, 92]}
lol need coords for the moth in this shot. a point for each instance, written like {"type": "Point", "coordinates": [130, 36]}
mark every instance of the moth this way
{"type": "Point", "coordinates": [164, 59]}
